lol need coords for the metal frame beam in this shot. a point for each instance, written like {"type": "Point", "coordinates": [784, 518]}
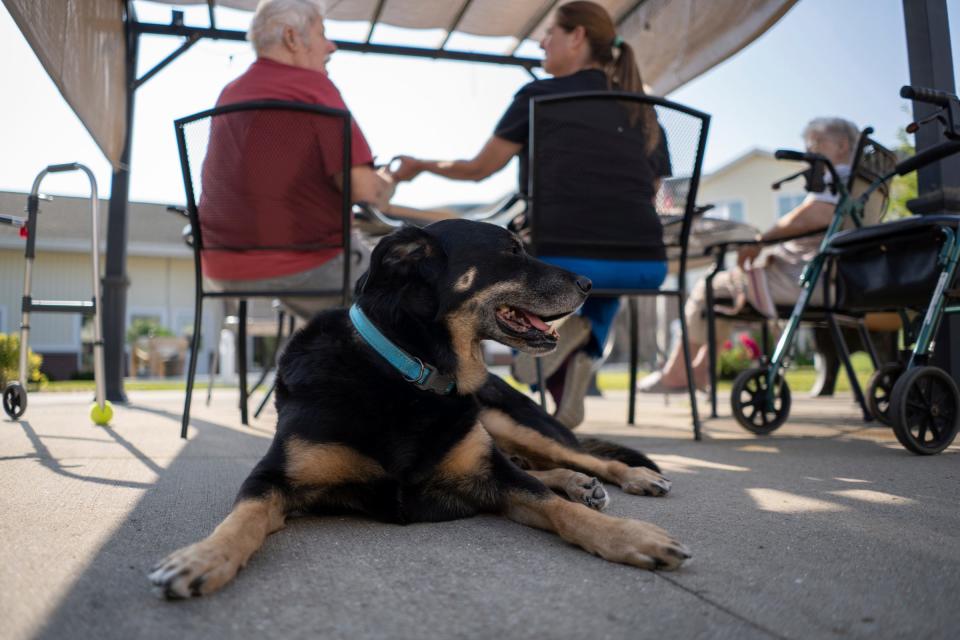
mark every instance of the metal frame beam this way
{"type": "Point", "coordinates": [930, 61]}
{"type": "Point", "coordinates": [455, 23]}
{"type": "Point", "coordinates": [345, 45]}
{"type": "Point", "coordinates": [536, 20]}
{"type": "Point", "coordinates": [629, 12]}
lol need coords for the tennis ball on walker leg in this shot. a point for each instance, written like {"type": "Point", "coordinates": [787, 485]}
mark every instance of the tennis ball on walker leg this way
{"type": "Point", "coordinates": [100, 416]}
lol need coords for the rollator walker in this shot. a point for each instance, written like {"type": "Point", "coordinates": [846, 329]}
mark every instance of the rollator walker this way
{"type": "Point", "coordinates": [15, 393]}
{"type": "Point", "coordinates": [908, 266]}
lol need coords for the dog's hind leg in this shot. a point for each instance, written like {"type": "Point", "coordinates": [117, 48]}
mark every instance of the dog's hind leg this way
{"type": "Point", "coordinates": [577, 486]}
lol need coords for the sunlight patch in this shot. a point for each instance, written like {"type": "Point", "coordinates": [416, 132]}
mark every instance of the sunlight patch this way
{"type": "Point", "coordinates": [876, 497]}
{"type": "Point", "coordinates": [784, 502]}
{"type": "Point", "coordinates": [759, 448]}
{"type": "Point", "coordinates": [683, 464]}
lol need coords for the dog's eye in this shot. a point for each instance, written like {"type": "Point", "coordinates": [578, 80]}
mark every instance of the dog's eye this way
{"type": "Point", "coordinates": [516, 249]}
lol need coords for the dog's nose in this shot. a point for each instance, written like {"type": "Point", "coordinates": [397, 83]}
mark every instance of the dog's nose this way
{"type": "Point", "coordinates": [584, 284]}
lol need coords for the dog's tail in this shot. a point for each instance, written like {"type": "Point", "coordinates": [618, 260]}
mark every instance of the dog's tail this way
{"type": "Point", "coordinates": [612, 451]}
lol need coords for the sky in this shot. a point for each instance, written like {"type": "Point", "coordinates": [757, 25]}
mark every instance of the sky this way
{"type": "Point", "coordinates": [825, 57]}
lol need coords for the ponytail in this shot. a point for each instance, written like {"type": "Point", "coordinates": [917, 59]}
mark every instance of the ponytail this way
{"type": "Point", "coordinates": [615, 56]}
{"type": "Point", "coordinates": [624, 75]}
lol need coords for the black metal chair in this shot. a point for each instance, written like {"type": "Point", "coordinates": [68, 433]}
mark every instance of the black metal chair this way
{"type": "Point", "coordinates": [870, 160]}
{"type": "Point", "coordinates": [221, 147]}
{"type": "Point", "coordinates": [606, 133]}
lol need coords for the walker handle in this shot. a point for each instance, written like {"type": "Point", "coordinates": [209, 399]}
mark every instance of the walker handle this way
{"type": "Point", "coordinates": [59, 168]}
{"type": "Point", "coordinates": [929, 156]}
{"type": "Point", "coordinates": [930, 96]}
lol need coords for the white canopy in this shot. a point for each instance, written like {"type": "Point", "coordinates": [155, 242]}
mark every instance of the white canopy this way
{"type": "Point", "coordinates": [81, 42]}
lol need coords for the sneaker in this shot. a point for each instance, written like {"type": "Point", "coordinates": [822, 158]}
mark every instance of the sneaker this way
{"type": "Point", "coordinates": [653, 383]}
{"type": "Point", "coordinates": [574, 333]}
{"type": "Point", "coordinates": [579, 370]}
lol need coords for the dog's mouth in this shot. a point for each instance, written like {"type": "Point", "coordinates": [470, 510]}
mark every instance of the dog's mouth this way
{"type": "Point", "coordinates": [526, 326]}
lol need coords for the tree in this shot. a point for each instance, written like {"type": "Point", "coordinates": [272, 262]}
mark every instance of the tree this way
{"type": "Point", "coordinates": [902, 188]}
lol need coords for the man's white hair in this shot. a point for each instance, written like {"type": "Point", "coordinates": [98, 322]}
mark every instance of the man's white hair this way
{"type": "Point", "coordinates": [836, 128]}
{"type": "Point", "coordinates": [273, 16]}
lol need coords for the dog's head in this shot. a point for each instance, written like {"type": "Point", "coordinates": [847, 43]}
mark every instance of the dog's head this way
{"type": "Point", "coordinates": [477, 281]}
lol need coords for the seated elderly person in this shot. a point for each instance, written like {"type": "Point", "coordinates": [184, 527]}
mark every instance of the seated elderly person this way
{"type": "Point", "coordinates": [291, 65]}
{"type": "Point", "coordinates": [769, 276]}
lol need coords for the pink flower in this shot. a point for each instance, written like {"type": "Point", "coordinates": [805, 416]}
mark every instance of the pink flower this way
{"type": "Point", "coordinates": [727, 345]}
{"type": "Point", "coordinates": [753, 349]}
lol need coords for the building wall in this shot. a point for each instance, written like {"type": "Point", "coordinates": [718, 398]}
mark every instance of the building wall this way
{"type": "Point", "coordinates": [159, 287]}
{"type": "Point", "coordinates": [748, 181]}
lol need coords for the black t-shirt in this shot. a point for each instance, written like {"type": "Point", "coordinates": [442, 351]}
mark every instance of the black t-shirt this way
{"type": "Point", "coordinates": [606, 195]}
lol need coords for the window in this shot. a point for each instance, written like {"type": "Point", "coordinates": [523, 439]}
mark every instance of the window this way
{"type": "Point", "coordinates": [729, 210]}
{"type": "Point", "coordinates": [789, 202]}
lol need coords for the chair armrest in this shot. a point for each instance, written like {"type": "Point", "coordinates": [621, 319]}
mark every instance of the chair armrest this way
{"type": "Point", "coordinates": [373, 214]}
{"type": "Point", "coordinates": [722, 246]}
{"type": "Point", "coordinates": [487, 212]}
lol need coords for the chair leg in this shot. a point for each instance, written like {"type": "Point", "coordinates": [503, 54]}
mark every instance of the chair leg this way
{"type": "Point", "coordinates": [634, 312]}
{"type": "Point", "coordinates": [868, 344]}
{"type": "Point", "coordinates": [691, 385]}
{"type": "Point", "coordinates": [242, 358]}
{"type": "Point", "coordinates": [844, 353]}
{"type": "Point", "coordinates": [541, 385]}
{"type": "Point", "coordinates": [216, 361]}
{"type": "Point", "coordinates": [711, 346]}
{"type": "Point", "coordinates": [192, 371]}
{"type": "Point", "coordinates": [273, 357]}
{"type": "Point", "coordinates": [266, 398]}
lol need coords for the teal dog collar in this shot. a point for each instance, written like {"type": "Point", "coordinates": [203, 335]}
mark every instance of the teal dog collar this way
{"type": "Point", "coordinates": [413, 369]}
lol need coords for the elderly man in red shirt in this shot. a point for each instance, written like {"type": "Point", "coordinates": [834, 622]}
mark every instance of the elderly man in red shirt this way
{"type": "Point", "coordinates": [242, 175]}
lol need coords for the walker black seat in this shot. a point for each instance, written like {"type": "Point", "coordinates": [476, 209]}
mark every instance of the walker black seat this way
{"type": "Point", "coordinates": [890, 266]}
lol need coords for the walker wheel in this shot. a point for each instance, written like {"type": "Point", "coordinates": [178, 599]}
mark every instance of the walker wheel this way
{"type": "Point", "coordinates": [925, 410]}
{"type": "Point", "coordinates": [880, 388]}
{"type": "Point", "coordinates": [749, 401]}
{"type": "Point", "coordinates": [101, 418]}
{"type": "Point", "coordinates": [14, 400]}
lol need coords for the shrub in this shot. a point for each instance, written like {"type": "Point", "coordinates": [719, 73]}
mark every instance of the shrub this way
{"type": "Point", "coordinates": [734, 358]}
{"type": "Point", "coordinates": [146, 328]}
{"type": "Point", "coordinates": [10, 361]}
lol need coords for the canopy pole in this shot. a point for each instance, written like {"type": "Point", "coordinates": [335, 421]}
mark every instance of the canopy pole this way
{"type": "Point", "coordinates": [931, 65]}
{"type": "Point", "coordinates": [116, 282]}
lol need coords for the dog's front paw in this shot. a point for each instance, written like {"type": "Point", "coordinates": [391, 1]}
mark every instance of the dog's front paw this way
{"type": "Point", "coordinates": [586, 490]}
{"type": "Point", "coordinates": [197, 570]}
{"type": "Point", "coordinates": [644, 545]}
{"type": "Point", "coordinates": [641, 481]}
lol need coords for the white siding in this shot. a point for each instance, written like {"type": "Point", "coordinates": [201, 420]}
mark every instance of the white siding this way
{"type": "Point", "coordinates": [748, 180]}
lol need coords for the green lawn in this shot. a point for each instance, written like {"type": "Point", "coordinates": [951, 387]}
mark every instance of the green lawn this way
{"type": "Point", "coordinates": [800, 379]}
{"type": "Point", "coordinates": [131, 384]}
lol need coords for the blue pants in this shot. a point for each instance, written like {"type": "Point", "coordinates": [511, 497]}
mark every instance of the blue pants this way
{"type": "Point", "coordinates": [609, 274]}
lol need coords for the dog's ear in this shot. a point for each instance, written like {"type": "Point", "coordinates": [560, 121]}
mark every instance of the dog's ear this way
{"type": "Point", "coordinates": [403, 256]}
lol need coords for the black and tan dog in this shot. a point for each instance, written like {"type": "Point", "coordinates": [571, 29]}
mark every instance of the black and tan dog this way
{"type": "Point", "coordinates": [356, 434]}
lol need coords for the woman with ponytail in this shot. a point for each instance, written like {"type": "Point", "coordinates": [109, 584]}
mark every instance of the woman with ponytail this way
{"type": "Point", "coordinates": [582, 52]}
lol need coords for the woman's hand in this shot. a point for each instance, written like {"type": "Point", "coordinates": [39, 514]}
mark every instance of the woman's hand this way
{"type": "Point", "coordinates": [407, 169]}
{"type": "Point", "coordinates": [747, 252]}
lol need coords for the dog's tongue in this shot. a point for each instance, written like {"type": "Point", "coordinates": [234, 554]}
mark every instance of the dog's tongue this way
{"type": "Point", "coordinates": [536, 321]}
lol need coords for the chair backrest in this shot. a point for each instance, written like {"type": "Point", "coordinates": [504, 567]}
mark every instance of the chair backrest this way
{"type": "Point", "coordinates": [589, 154]}
{"type": "Point", "coordinates": [260, 177]}
{"type": "Point", "coordinates": [871, 160]}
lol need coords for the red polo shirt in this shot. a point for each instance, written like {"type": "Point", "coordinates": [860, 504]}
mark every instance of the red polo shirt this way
{"type": "Point", "coordinates": [258, 190]}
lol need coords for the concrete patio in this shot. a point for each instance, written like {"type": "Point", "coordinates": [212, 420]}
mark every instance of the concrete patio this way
{"type": "Point", "coordinates": [826, 529]}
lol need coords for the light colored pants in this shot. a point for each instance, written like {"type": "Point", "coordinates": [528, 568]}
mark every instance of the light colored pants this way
{"type": "Point", "coordinates": [328, 275]}
{"type": "Point", "coordinates": [730, 285]}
